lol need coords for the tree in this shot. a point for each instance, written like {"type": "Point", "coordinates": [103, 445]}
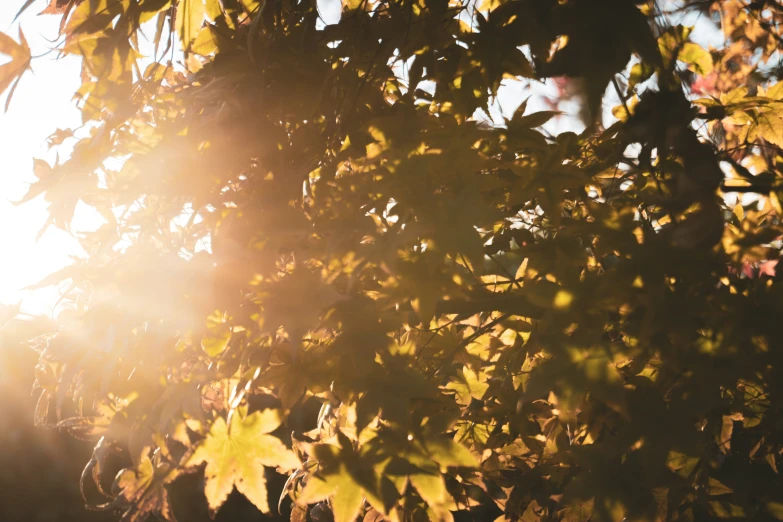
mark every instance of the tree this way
{"type": "Point", "coordinates": [495, 322]}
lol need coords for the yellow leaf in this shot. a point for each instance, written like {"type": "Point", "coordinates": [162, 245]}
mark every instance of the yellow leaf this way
{"type": "Point", "coordinates": [733, 96]}
{"type": "Point", "coordinates": [770, 127]}
{"type": "Point", "coordinates": [144, 489]}
{"type": "Point", "coordinates": [775, 509]}
{"type": "Point", "coordinates": [190, 18]}
{"type": "Point", "coordinates": [447, 452]}
{"type": "Point", "coordinates": [214, 9]}
{"type": "Point", "coordinates": [347, 501]}
{"type": "Point", "coordinates": [205, 43]}
{"type": "Point", "coordinates": [431, 488]}
{"type": "Point", "coordinates": [217, 344]}
{"type": "Point", "coordinates": [237, 457]}
{"type": "Point", "coordinates": [468, 386]}
{"type": "Point", "coordinates": [20, 60]}
{"type": "Point", "coordinates": [776, 91]}
{"type": "Point", "coordinates": [250, 6]}
{"type": "Point", "coordinates": [345, 492]}
{"type": "Point", "coordinates": [739, 211]}
{"type": "Point", "coordinates": [696, 58]}
{"type": "Point", "coordinates": [620, 112]}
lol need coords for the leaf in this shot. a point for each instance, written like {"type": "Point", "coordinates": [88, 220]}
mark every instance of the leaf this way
{"type": "Point", "coordinates": [346, 479]}
{"type": "Point", "coordinates": [346, 494]}
{"type": "Point", "coordinates": [537, 119]}
{"type": "Point", "coordinates": [216, 344]}
{"type": "Point", "coordinates": [776, 91]}
{"type": "Point", "coordinates": [144, 490]}
{"type": "Point", "coordinates": [431, 488]}
{"type": "Point", "coordinates": [448, 453]}
{"type": "Point", "coordinates": [721, 509]}
{"type": "Point", "coordinates": [12, 71]}
{"type": "Point", "coordinates": [346, 501]}
{"type": "Point", "coordinates": [57, 7]}
{"type": "Point", "coordinates": [298, 514]}
{"type": "Point", "coordinates": [190, 18]}
{"type": "Point", "coordinates": [716, 488]}
{"type": "Point", "coordinates": [578, 512]}
{"type": "Point", "coordinates": [206, 42]}
{"type": "Point", "coordinates": [374, 516]}
{"type": "Point", "coordinates": [214, 9]}
{"type": "Point", "coordinates": [770, 127]}
{"type": "Point", "coordinates": [59, 136]}
{"type": "Point", "coordinates": [237, 456]}
{"type": "Point", "coordinates": [775, 509]}
{"type": "Point", "coordinates": [90, 17]}
{"type": "Point", "coordinates": [733, 96]}
{"type": "Point", "coordinates": [696, 58]}
{"type": "Point", "coordinates": [468, 386]}
{"type": "Point", "coordinates": [640, 72]}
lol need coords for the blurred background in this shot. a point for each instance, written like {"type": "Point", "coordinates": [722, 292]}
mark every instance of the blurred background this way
{"type": "Point", "coordinates": [40, 467]}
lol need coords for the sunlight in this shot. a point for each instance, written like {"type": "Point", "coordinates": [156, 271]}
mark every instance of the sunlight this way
{"type": "Point", "coordinates": [41, 104]}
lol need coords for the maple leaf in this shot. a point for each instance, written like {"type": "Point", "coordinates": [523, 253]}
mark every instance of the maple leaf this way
{"type": "Point", "coordinates": [769, 126]}
{"type": "Point", "coordinates": [347, 478]}
{"type": "Point", "coordinates": [468, 386]}
{"type": "Point", "coordinates": [237, 456]}
{"type": "Point", "coordinates": [144, 491]}
{"type": "Point", "coordinates": [11, 72]}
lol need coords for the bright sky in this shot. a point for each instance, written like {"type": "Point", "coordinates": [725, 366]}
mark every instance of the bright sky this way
{"type": "Point", "coordinates": [42, 103]}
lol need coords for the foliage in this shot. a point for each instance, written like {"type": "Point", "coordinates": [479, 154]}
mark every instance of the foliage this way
{"type": "Point", "coordinates": [495, 322]}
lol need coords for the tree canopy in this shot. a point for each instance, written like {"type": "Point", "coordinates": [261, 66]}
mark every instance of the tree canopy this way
{"type": "Point", "coordinates": [319, 259]}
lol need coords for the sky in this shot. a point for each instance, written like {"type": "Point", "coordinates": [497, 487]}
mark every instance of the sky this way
{"type": "Point", "coordinates": [41, 104]}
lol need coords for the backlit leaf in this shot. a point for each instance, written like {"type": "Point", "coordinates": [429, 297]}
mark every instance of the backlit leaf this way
{"type": "Point", "coordinates": [236, 457]}
{"type": "Point", "coordinates": [189, 21]}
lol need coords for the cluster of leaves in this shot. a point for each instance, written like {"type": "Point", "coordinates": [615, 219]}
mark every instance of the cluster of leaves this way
{"type": "Point", "coordinates": [495, 322]}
